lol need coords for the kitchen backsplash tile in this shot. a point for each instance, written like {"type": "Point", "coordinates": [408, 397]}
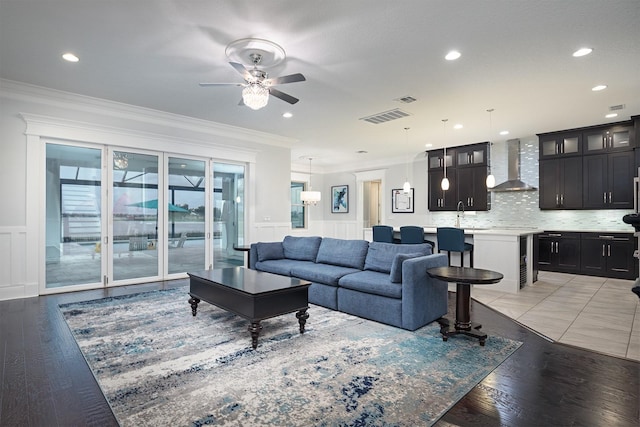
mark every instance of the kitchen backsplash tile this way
{"type": "Point", "coordinates": [520, 208]}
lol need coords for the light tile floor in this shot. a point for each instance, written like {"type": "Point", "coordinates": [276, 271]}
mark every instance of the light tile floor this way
{"type": "Point", "coordinates": [595, 313]}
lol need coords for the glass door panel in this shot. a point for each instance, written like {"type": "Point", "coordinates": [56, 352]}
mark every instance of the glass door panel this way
{"type": "Point", "coordinates": [135, 215]}
{"type": "Point", "coordinates": [186, 215]}
{"type": "Point", "coordinates": [73, 219]}
{"type": "Point", "coordinates": [228, 214]}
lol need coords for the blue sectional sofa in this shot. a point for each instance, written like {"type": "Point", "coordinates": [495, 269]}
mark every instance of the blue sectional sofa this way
{"type": "Point", "coordinates": [384, 282]}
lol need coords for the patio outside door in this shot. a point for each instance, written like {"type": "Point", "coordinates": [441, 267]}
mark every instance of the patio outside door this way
{"type": "Point", "coordinates": [228, 214]}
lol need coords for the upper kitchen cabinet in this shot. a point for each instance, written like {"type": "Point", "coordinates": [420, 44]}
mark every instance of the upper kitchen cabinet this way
{"type": "Point", "coordinates": [608, 180]}
{"type": "Point", "coordinates": [560, 144]}
{"type": "Point", "coordinates": [472, 155]}
{"type": "Point", "coordinates": [561, 183]}
{"type": "Point", "coordinates": [437, 159]}
{"type": "Point", "coordinates": [614, 138]}
{"type": "Point", "coordinates": [467, 172]}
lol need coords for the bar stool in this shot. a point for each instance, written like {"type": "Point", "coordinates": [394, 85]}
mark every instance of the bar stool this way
{"type": "Point", "coordinates": [451, 239]}
{"type": "Point", "coordinates": [411, 234]}
{"type": "Point", "coordinates": [383, 233]}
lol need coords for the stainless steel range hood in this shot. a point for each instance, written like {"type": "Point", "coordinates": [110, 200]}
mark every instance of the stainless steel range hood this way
{"type": "Point", "coordinates": [513, 170]}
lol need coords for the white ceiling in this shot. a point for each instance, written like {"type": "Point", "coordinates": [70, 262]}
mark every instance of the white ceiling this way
{"type": "Point", "coordinates": [357, 55]}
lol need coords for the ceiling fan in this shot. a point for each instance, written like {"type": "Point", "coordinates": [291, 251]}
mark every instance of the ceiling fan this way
{"type": "Point", "coordinates": [257, 85]}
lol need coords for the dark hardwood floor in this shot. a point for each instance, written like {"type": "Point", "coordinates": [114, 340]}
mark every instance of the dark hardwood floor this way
{"type": "Point", "coordinates": [46, 381]}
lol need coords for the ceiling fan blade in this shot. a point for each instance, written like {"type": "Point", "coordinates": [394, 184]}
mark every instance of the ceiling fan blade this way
{"type": "Point", "coordinates": [291, 78]}
{"type": "Point", "coordinates": [285, 97]}
{"type": "Point", "coordinates": [220, 84]}
{"type": "Point", "coordinates": [242, 70]}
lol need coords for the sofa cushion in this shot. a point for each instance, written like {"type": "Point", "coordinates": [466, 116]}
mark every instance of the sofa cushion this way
{"type": "Point", "coordinates": [371, 282]}
{"type": "Point", "coordinates": [380, 255]}
{"type": "Point", "coordinates": [271, 250]}
{"type": "Point", "coordinates": [326, 274]}
{"type": "Point", "coordinates": [396, 266]}
{"type": "Point", "coordinates": [346, 253]}
{"type": "Point", "coordinates": [280, 266]}
{"type": "Point", "coordinates": [301, 248]}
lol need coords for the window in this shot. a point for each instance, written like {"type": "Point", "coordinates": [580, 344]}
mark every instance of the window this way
{"type": "Point", "coordinates": [298, 210]}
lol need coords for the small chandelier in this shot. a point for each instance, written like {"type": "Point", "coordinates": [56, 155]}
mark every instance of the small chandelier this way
{"type": "Point", "coordinates": [255, 96]}
{"type": "Point", "coordinates": [120, 160]}
{"type": "Point", "coordinates": [309, 197]}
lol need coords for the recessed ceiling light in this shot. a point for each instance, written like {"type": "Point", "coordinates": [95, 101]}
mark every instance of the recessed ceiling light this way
{"type": "Point", "coordinates": [70, 57]}
{"type": "Point", "coordinates": [287, 115]}
{"type": "Point", "coordinates": [582, 52]}
{"type": "Point", "coordinates": [458, 126]}
{"type": "Point", "coordinates": [427, 145]}
{"type": "Point", "coordinates": [599, 88]}
{"type": "Point", "coordinates": [611, 115]}
{"type": "Point", "coordinates": [504, 132]}
{"type": "Point", "coordinates": [362, 152]}
{"type": "Point", "coordinates": [453, 55]}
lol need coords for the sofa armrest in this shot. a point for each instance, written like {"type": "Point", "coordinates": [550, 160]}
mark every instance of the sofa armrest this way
{"type": "Point", "coordinates": [424, 299]}
{"type": "Point", "coordinates": [253, 256]}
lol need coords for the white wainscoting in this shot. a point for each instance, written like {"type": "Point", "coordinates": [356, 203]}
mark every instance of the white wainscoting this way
{"type": "Point", "coordinates": [342, 229]}
{"type": "Point", "coordinates": [13, 272]}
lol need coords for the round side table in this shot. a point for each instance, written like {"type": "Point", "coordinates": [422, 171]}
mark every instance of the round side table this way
{"type": "Point", "coordinates": [464, 277]}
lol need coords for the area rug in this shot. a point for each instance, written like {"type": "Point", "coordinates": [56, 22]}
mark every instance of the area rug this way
{"type": "Point", "coordinates": [160, 366]}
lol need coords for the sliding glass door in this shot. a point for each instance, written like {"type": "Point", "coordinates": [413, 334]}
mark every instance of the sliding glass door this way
{"type": "Point", "coordinates": [116, 217]}
{"type": "Point", "coordinates": [186, 215]}
{"type": "Point", "coordinates": [135, 216]}
{"type": "Point", "coordinates": [73, 216]}
{"type": "Point", "coordinates": [228, 214]}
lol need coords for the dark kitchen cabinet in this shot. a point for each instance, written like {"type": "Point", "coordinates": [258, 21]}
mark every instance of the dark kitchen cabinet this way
{"type": "Point", "coordinates": [437, 159]}
{"type": "Point", "coordinates": [614, 138]}
{"type": "Point", "coordinates": [472, 187]}
{"type": "Point", "coordinates": [558, 251]}
{"type": "Point", "coordinates": [608, 180]}
{"type": "Point", "coordinates": [561, 183]}
{"type": "Point", "coordinates": [471, 155]}
{"type": "Point", "coordinates": [440, 200]}
{"type": "Point", "coordinates": [466, 169]}
{"type": "Point", "coordinates": [608, 255]}
{"type": "Point", "coordinates": [560, 144]}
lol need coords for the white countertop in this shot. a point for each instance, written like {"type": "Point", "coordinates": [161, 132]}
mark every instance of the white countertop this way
{"type": "Point", "coordinates": [472, 231]}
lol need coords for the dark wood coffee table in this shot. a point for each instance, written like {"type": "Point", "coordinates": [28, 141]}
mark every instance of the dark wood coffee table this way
{"type": "Point", "coordinates": [254, 295]}
{"type": "Point", "coordinates": [463, 277]}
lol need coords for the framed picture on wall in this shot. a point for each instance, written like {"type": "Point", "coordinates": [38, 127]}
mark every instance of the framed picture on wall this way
{"type": "Point", "coordinates": [401, 202]}
{"type": "Point", "coordinates": [340, 199]}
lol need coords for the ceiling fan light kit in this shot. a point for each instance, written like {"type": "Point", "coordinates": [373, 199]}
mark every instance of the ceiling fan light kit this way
{"type": "Point", "coordinates": [255, 96]}
{"type": "Point", "coordinates": [257, 85]}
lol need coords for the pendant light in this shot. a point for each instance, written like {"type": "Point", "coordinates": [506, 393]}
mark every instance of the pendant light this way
{"type": "Point", "coordinates": [445, 181]}
{"type": "Point", "coordinates": [491, 180]}
{"type": "Point", "coordinates": [406, 187]}
{"type": "Point", "coordinates": [310, 197]}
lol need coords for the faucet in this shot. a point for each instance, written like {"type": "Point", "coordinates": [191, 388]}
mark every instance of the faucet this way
{"type": "Point", "coordinates": [460, 204]}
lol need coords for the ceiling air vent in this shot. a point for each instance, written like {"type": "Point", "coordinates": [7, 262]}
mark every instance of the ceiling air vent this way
{"type": "Point", "coordinates": [616, 107]}
{"type": "Point", "coordinates": [406, 99]}
{"type": "Point", "coordinates": [386, 116]}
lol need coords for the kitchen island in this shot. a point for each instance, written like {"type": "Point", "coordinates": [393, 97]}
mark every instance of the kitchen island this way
{"type": "Point", "coordinates": [505, 250]}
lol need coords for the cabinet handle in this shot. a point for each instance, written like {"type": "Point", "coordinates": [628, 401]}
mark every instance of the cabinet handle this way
{"type": "Point", "coordinates": [562, 199]}
{"type": "Point", "coordinates": [557, 200]}
{"type": "Point", "coordinates": [603, 250]}
{"type": "Point", "coordinates": [472, 201]}
{"type": "Point", "coordinates": [604, 197]}
{"type": "Point", "coordinates": [609, 250]}
{"type": "Point", "coordinates": [555, 235]}
{"type": "Point", "coordinates": [609, 196]}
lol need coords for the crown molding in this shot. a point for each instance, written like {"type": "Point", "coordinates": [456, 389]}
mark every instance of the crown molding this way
{"type": "Point", "coordinates": [25, 92]}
